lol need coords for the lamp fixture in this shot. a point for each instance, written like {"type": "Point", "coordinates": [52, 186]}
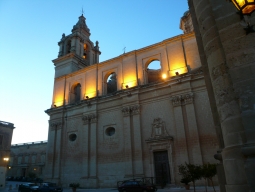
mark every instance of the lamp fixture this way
{"type": "Point", "coordinates": [126, 86]}
{"type": "Point", "coordinates": [55, 105]}
{"type": "Point", "coordinates": [6, 158]}
{"type": "Point", "coordinates": [164, 76]}
{"type": "Point", "coordinates": [245, 8]}
{"type": "Point", "coordinates": [176, 73]}
{"type": "Point", "coordinates": [87, 97]}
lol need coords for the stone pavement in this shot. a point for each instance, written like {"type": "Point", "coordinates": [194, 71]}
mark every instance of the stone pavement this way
{"type": "Point", "coordinates": [166, 189]}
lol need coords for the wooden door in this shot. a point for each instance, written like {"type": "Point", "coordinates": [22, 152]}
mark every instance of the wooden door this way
{"type": "Point", "coordinates": [162, 170]}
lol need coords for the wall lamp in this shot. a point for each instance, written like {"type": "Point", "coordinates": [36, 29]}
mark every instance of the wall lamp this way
{"type": "Point", "coordinates": [245, 8]}
{"type": "Point", "coordinates": [55, 105]}
{"type": "Point", "coordinates": [126, 86]}
{"type": "Point", "coordinates": [6, 159]}
{"type": "Point", "coordinates": [176, 73]}
{"type": "Point", "coordinates": [87, 97]}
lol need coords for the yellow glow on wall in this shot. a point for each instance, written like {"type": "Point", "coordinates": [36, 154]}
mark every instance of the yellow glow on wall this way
{"type": "Point", "coordinates": [90, 94]}
{"type": "Point", "coordinates": [58, 100]}
{"type": "Point", "coordinates": [129, 83]}
{"type": "Point", "coordinates": [164, 76]}
{"type": "Point", "coordinates": [178, 71]}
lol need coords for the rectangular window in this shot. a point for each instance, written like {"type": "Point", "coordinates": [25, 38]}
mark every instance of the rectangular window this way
{"type": "Point", "coordinates": [1, 139]}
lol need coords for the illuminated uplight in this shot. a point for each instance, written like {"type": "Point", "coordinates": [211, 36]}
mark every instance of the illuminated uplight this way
{"type": "Point", "coordinates": [129, 84]}
{"type": "Point", "coordinates": [90, 94]}
{"type": "Point", "coordinates": [164, 76]}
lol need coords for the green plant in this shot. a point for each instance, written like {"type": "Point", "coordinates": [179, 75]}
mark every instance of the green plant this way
{"type": "Point", "coordinates": [195, 173]}
{"type": "Point", "coordinates": [184, 172]}
{"type": "Point", "coordinates": [189, 173]}
{"type": "Point", "coordinates": [208, 172]}
{"type": "Point", "coordinates": [74, 185]}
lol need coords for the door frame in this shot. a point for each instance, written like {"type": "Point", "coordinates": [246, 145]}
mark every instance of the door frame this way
{"type": "Point", "coordinates": [163, 145]}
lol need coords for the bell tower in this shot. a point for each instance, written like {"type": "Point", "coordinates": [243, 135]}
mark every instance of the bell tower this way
{"type": "Point", "coordinates": [76, 50]}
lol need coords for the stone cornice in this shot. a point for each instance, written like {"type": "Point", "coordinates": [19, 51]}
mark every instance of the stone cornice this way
{"type": "Point", "coordinates": [69, 56]}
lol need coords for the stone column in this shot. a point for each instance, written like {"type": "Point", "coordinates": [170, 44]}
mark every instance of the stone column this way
{"type": "Point", "coordinates": [137, 152]}
{"type": "Point", "coordinates": [194, 144]}
{"type": "Point", "coordinates": [180, 140]}
{"type": "Point", "coordinates": [127, 142]}
{"type": "Point", "coordinates": [230, 58]}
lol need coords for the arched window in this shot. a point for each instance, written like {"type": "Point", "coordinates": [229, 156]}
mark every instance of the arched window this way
{"type": "Point", "coordinates": [75, 93]}
{"type": "Point", "coordinates": [111, 83]}
{"type": "Point", "coordinates": [154, 71]}
{"type": "Point", "coordinates": [85, 50]}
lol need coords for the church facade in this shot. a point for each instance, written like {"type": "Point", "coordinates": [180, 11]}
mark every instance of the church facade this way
{"type": "Point", "coordinates": [119, 119]}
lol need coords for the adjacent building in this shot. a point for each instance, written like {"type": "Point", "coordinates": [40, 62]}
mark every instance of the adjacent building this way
{"type": "Point", "coordinates": [27, 158]}
{"type": "Point", "coordinates": [6, 130]}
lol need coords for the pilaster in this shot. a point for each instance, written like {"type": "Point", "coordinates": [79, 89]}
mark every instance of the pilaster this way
{"type": "Point", "coordinates": [181, 142]}
{"type": "Point", "coordinates": [194, 143]}
{"type": "Point", "coordinates": [137, 151]}
{"type": "Point", "coordinates": [127, 142]}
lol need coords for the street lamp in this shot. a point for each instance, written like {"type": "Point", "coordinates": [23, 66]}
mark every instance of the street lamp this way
{"type": "Point", "coordinates": [246, 7]}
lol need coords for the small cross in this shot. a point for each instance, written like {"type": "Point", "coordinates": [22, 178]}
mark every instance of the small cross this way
{"type": "Point", "coordinates": [82, 11]}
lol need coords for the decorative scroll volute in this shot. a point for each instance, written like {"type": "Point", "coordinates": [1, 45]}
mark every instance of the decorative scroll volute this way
{"type": "Point", "coordinates": [56, 125]}
{"type": "Point", "coordinates": [176, 100]}
{"type": "Point", "coordinates": [89, 118]}
{"type": "Point", "coordinates": [184, 99]}
{"type": "Point", "coordinates": [135, 109]}
{"type": "Point", "coordinates": [131, 110]}
{"type": "Point", "coordinates": [188, 98]}
{"type": "Point", "coordinates": [125, 111]}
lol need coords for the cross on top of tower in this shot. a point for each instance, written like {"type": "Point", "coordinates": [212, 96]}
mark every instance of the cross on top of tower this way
{"type": "Point", "coordinates": [82, 11]}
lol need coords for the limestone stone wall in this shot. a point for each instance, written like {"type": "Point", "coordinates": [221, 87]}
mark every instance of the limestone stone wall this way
{"type": "Point", "coordinates": [108, 137]}
{"type": "Point", "coordinates": [227, 53]}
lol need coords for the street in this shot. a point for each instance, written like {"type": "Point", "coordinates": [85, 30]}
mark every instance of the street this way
{"type": "Point", "coordinates": [15, 184]}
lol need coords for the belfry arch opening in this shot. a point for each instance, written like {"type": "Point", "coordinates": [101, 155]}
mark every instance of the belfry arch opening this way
{"type": "Point", "coordinates": [68, 47]}
{"type": "Point", "coordinates": [153, 71]}
{"type": "Point", "coordinates": [111, 83]}
{"type": "Point", "coordinates": [85, 51]}
{"type": "Point", "coordinates": [75, 93]}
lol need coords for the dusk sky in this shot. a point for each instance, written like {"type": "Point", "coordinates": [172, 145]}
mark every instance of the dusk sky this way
{"type": "Point", "coordinates": [29, 36]}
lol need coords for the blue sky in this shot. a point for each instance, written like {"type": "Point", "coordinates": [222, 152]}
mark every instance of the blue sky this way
{"type": "Point", "coordinates": [30, 30]}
